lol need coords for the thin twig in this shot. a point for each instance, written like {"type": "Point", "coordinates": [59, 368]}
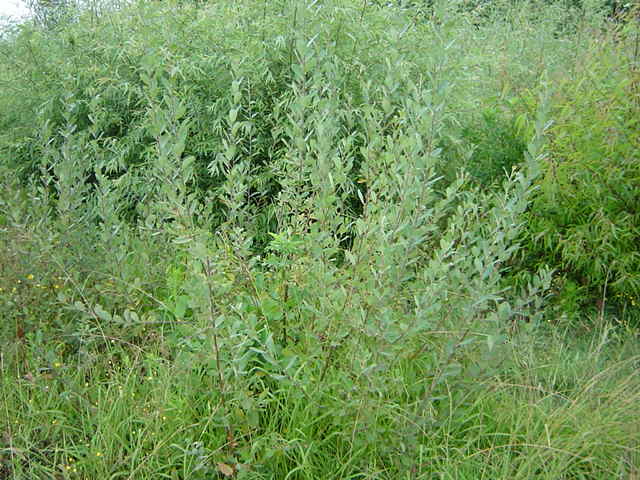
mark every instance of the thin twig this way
{"type": "Point", "coordinates": [223, 391]}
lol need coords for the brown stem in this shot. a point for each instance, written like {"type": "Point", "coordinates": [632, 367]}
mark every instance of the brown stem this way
{"type": "Point", "coordinates": [437, 377]}
{"type": "Point", "coordinates": [223, 391]}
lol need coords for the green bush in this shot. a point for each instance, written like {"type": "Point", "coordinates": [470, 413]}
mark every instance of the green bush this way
{"type": "Point", "coordinates": [487, 149]}
{"type": "Point", "coordinates": [227, 249]}
{"type": "Point", "coordinates": [585, 220]}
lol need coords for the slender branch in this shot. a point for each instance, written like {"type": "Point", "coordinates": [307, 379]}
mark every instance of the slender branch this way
{"type": "Point", "coordinates": [206, 264]}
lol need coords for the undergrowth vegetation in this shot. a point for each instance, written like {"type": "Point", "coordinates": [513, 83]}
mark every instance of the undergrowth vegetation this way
{"type": "Point", "coordinates": [321, 239]}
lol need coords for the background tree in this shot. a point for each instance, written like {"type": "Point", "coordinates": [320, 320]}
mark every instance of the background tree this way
{"type": "Point", "coordinates": [49, 13]}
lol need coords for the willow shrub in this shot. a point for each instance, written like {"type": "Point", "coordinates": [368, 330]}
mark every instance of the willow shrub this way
{"type": "Point", "coordinates": [251, 257]}
{"type": "Point", "coordinates": [491, 146]}
{"type": "Point", "coordinates": [585, 219]}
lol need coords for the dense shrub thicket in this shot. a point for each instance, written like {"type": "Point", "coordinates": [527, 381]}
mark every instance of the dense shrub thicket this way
{"type": "Point", "coordinates": [318, 239]}
{"type": "Point", "coordinates": [585, 219]}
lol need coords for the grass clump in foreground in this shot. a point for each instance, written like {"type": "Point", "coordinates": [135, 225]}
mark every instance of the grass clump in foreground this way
{"type": "Point", "coordinates": [272, 240]}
